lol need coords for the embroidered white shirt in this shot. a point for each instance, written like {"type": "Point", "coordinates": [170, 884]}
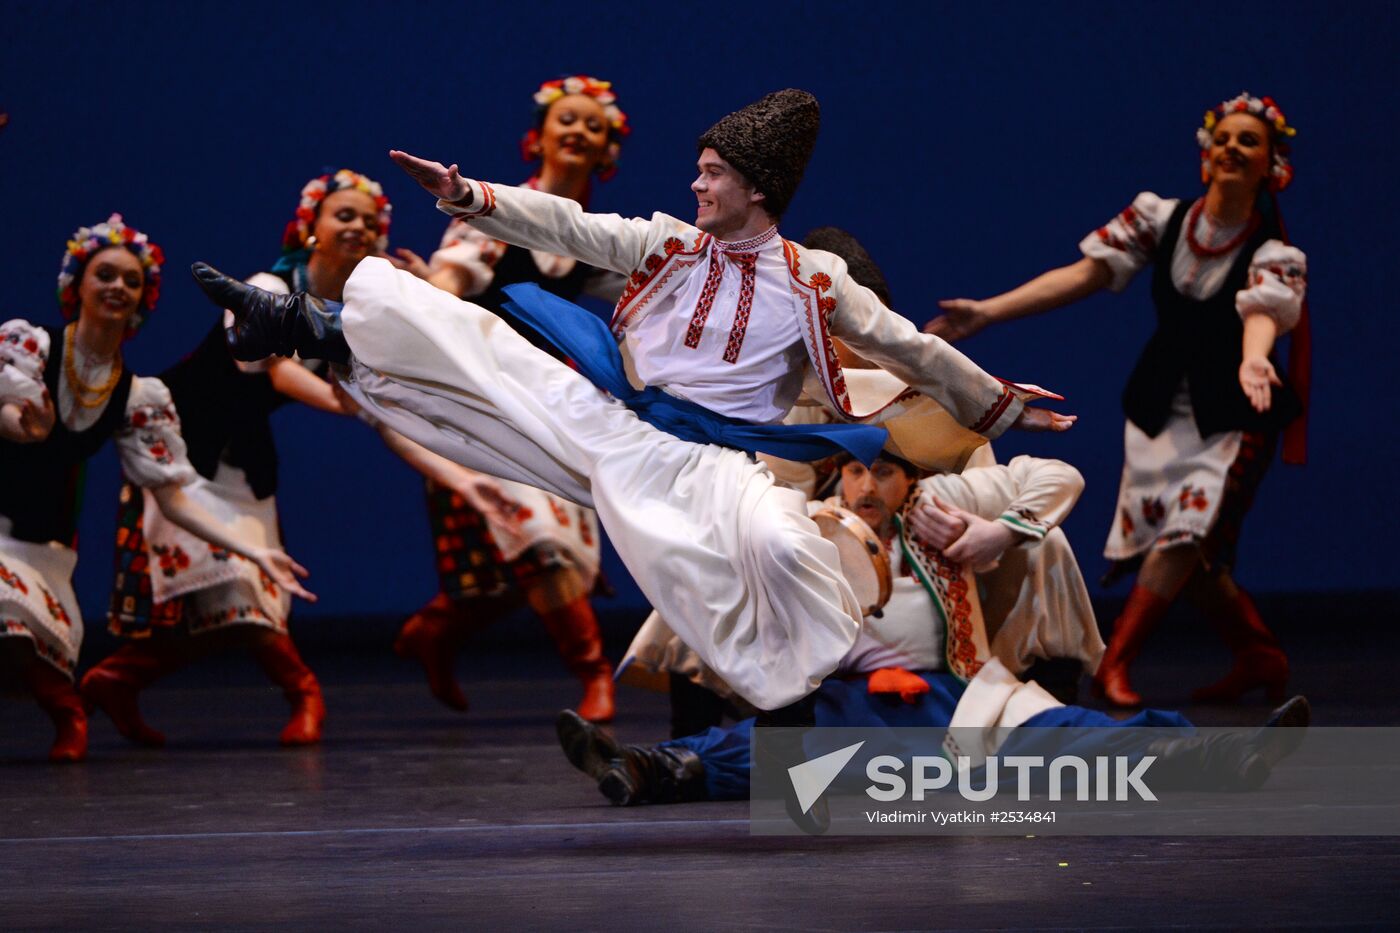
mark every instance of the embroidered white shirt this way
{"type": "Point", "coordinates": [1127, 243]}
{"type": "Point", "coordinates": [149, 444]}
{"type": "Point", "coordinates": [710, 341]}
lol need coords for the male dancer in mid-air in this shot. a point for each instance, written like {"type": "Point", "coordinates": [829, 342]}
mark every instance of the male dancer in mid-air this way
{"type": "Point", "coordinates": [722, 321]}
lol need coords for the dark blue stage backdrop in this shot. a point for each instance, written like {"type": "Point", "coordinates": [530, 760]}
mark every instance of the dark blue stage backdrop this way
{"type": "Point", "coordinates": [969, 146]}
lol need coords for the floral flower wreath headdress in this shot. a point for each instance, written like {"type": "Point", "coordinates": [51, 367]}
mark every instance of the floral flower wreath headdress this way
{"type": "Point", "coordinates": [602, 92]}
{"type": "Point", "coordinates": [1265, 109]}
{"type": "Point", "coordinates": [298, 231]}
{"type": "Point", "coordinates": [87, 242]}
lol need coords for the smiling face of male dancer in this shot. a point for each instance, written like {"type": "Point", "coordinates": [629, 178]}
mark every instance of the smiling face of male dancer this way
{"type": "Point", "coordinates": [876, 493]}
{"type": "Point", "coordinates": [728, 207]}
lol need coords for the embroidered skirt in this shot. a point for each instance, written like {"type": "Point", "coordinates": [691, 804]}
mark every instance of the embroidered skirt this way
{"type": "Point", "coordinates": [166, 576]}
{"type": "Point", "coordinates": [476, 559]}
{"type": "Point", "coordinates": [37, 600]}
{"type": "Point", "coordinates": [1180, 488]}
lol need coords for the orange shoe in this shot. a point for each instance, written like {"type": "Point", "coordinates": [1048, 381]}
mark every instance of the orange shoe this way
{"type": "Point", "coordinates": [279, 659]}
{"type": "Point", "coordinates": [1259, 660]}
{"type": "Point", "coordinates": [432, 636]}
{"type": "Point", "coordinates": [55, 695]}
{"type": "Point", "coordinates": [574, 629]}
{"type": "Point", "coordinates": [1140, 616]}
{"type": "Point", "coordinates": [114, 684]}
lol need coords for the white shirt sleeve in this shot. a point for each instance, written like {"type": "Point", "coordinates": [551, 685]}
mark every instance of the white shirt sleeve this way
{"type": "Point", "coordinates": [1029, 495]}
{"type": "Point", "coordinates": [149, 445]}
{"type": "Point", "coordinates": [540, 221]}
{"type": "Point", "coordinates": [1278, 281]}
{"type": "Point", "coordinates": [1129, 241]}
{"type": "Point", "coordinates": [24, 352]}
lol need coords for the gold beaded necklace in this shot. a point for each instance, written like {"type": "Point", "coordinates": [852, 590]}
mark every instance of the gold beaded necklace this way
{"type": "Point", "coordinates": [81, 389]}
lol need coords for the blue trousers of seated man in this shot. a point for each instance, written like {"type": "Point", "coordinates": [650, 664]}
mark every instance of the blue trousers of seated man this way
{"type": "Point", "coordinates": [725, 752]}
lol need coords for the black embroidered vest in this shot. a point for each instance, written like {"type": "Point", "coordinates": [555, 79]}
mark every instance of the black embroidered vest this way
{"type": "Point", "coordinates": [41, 484]}
{"type": "Point", "coordinates": [1203, 342]}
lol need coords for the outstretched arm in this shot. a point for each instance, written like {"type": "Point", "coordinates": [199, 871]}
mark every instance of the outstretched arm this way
{"type": "Point", "coordinates": [191, 516]}
{"type": "Point", "coordinates": [534, 219]}
{"type": "Point", "coordinates": [977, 400]}
{"type": "Point", "coordinates": [1271, 305]}
{"type": "Point", "coordinates": [297, 382]}
{"type": "Point", "coordinates": [483, 493]}
{"type": "Point", "coordinates": [963, 317]}
{"type": "Point", "coordinates": [1257, 374]}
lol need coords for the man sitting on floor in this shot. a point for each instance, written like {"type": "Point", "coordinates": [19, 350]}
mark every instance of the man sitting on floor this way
{"type": "Point", "coordinates": [912, 663]}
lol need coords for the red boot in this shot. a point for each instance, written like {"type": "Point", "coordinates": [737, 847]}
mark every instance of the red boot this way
{"type": "Point", "coordinates": [432, 636]}
{"type": "Point", "coordinates": [1258, 659]}
{"type": "Point", "coordinates": [279, 659]}
{"type": "Point", "coordinates": [56, 696]}
{"type": "Point", "coordinates": [574, 629]}
{"type": "Point", "coordinates": [1140, 616]}
{"type": "Point", "coordinates": [113, 685]}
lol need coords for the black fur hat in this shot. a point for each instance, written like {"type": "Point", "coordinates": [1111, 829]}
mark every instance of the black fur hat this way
{"type": "Point", "coordinates": [858, 262]}
{"type": "Point", "coordinates": [769, 141]}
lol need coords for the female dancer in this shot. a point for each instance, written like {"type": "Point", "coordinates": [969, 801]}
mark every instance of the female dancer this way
{"type": "Point", "coordinates": [174, 600]}
{"type": "Point", "coordinates": [499, 541]}
{"type": "Point", "coordinates": [63, 393]}
{"type": "Point", "coordinates": [1205, 403]}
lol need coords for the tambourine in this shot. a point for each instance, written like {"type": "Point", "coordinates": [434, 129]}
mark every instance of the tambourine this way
{"type": "Point", "coordinates": [864, 562]}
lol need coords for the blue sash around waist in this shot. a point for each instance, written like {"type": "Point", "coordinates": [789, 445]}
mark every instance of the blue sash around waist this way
{"type": "Point", "coordinates": [585, 339]}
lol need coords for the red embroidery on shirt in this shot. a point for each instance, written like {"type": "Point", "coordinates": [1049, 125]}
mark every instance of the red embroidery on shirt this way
{"type": "Point", "coordinates": [994, 413]}
{"type": "Point", "coordinates": [707, 299]}
{"type": "Point", "coordinates": [746, 263]}
{"type": "Point", "coordinates": [647, 281]}
{"type": "Point", "coordinates": [488, 203]}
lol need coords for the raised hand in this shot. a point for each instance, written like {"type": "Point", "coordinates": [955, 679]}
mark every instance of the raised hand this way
{"type": "Point", "coordinates": [1257, 375]}
{"type": "Point", "coordinates": [961, 317]}
{"type": "Point", "coordinates": [1042, 419]}
{"type": "Point", "coordinates": [284, 571]}
{"type": "Point", "coordinates": [441, 181]}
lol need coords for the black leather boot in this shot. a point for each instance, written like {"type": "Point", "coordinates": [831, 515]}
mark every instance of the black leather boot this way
{"type": "Point", "coordinates": [1232, 761]}
{"type": "Point", "coordinates": [652, 774]}
{"type": "Point", "coordinates": [266, 325]}
{"type": "Point", "coordinates": [1282, 732]}
{"type": "Point", "coordinates": [587, 746]}
{"type": "Point", "coordinates": [1223, 761]}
